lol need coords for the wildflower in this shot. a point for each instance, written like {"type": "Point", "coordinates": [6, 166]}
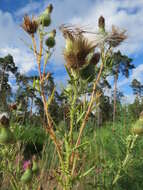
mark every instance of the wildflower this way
{"type": "Point", "coordinates": [26, 164]}
{"type": "Point", "coordinates": [6, 136]}
{"type": "Point", "coordinates": [50, 41]}
{"type": "Point", "coordinates": [45, 18]}
{"type": "Point", "coordinates": [116, 37]}
{"type": "Point", "coordinates": [13, 106]}
{"type": "Point", "coordinates": [4, 119]}
{"type": "Point", "coordinates": [35, 167]}
{"type": "Point", "coordinates": [27, 175]}
{"type": "Point", "coordinates": [77, 48]}
{"type": "Point", "coordinates": [112, 39]}
{"type": "Point", "coordinates": [30, 26]}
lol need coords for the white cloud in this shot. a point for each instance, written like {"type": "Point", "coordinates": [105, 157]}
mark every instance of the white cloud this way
{"type": "Point", "coordinates": [126, 14]}
{"type": "Point", "coordinates": [128, 99]}
{"type": "Point", "coordinates": [23, 59]}
{"type": "Point", "coordinates": [137, 73]}
{"type": "Point", "coordinates": [30, 7]}
{"type": "Point", "coordinates": [11, 43]}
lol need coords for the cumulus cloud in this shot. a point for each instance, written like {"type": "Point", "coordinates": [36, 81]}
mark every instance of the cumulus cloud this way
{"type": "Point", "coordinates": [23, 59]}
{"type": "Point", "coordinates": [30, 7]}
{"type": "Point", "coordinates": [137, 73]}
{"type": "Point", "coordinates": [11, 43]}
{"type": "Point", "coordinates": [125, 14]}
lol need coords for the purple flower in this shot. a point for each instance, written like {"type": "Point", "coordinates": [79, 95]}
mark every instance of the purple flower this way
{"type": "Point", "coordinates": [26, 164]}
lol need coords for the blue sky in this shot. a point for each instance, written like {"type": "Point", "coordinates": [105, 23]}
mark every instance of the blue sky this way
{"type": "Point", "coordinates": [126, 14]}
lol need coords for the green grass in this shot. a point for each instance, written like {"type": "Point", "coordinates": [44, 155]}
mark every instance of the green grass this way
{"type": "Point", "coordinates": [105, 149]}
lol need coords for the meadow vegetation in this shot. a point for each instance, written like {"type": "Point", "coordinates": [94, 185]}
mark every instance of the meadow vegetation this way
{"type": "Point", "coordinates": [78, 138]}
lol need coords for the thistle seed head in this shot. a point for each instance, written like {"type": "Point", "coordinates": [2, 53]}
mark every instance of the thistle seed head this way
{"type": "Point", "coordinates": [30, 26]}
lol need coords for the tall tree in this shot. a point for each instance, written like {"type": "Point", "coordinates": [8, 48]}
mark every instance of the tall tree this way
{"type": "Point", "coordinates": [137, 88]}
{"type": "Point", "coordinates": [121, 64]}
{"type": "Point", "coordinates": [7, 66]}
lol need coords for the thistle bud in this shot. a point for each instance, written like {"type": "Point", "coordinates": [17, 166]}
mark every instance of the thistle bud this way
{"type": "Point", "coordinates": [6, 136]}
{"type": "Point", "coordinates": [44, 20]}
{"type": "Point", "coordinates": [101, 24]}
{"type": "Point", "coordinates": [4, 119]}
{"type": "Point", "coordinates": [137, 130]}
{"type": "Point", "coordinates": [50, 41]}
{"type": "Point", "coordinates": [27, 176]}
{"type": "Point", "coordinates": [35, 167]}
{"type": "Point", "coordinates": [138, 126]}
{"type": "Point", "coordinates": [49, 9]}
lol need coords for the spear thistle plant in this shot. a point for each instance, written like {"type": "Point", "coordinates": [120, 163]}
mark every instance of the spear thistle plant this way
{"type": "Point", "coordinates": [86, 63]}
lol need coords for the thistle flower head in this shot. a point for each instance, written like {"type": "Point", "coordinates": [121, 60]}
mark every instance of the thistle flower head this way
{"type": "Point", "coordinates": [77, 47]}
{"type": "Point", "coordinates": [116, 37]}
{"type": "Point", "coordinates": [112, 38]}
{"type": "Point", "coordinates": [4, 119]}
{"type": "Point", "coordinates": [13, 106]}
{"type": "Point", "coordinates": [30, 26]}
{"type": "Point", "coordinates": [26, 164]}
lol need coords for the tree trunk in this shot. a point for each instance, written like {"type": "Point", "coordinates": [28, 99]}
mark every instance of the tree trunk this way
{"type": "Point", "coordinates": [31, 108]}
{"type": "Point", "coordinates": [3, 95]}
{"type": "Point", "coordinates": [115, 94]}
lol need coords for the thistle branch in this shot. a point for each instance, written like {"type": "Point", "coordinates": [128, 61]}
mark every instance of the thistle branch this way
{"type": "Point", "coordinates": [49, 129]}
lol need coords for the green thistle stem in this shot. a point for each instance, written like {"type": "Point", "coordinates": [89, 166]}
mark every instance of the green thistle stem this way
{"type": "Point", "coordinates": [126, 160]}
{"type": "Point", "coordinates": [72, 111]}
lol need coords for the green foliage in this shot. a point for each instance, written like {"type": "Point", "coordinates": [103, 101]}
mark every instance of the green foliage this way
{"type": "Point", "coordinates": [65, 141]}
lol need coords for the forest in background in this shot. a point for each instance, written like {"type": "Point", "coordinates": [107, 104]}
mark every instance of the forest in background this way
{"type": "Point", "coordinates": [78, 138]}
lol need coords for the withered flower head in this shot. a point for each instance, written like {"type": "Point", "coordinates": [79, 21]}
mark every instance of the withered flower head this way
{"type": "Point", "coordinates": [116, 37]}
{"type": "Point", "coordinates": [13, 106]}
{"type": "Point", "coordinates": [101, 23]}
{"type": "Point", "coordinates": [4, 119]}
{"type": "Point", "coordinates": [113, 38]}
{"type": "Point", "coordinates": [77, 47]}
{"type": "Point", "coordinates": [30, 26]}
